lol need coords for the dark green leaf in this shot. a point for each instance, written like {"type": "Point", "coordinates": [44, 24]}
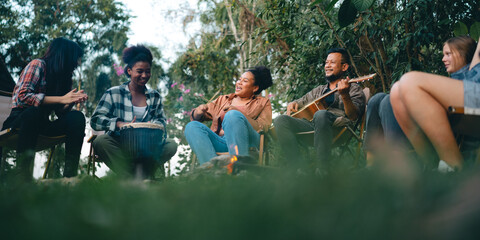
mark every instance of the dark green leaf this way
{"type": "Point", "coordinates": [475, 31]}
{"type": "Point", "coordinates": [346, 14]}
{"type": "Point", "coordinates": [460, 29]}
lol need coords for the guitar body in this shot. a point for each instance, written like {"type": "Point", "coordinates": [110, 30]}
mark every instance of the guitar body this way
{"type": "Point", "coordinates": [310, 109]}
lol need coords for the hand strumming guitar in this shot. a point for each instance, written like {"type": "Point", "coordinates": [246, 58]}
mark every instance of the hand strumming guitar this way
{"type": "Point", "coordinates": [292, 107]}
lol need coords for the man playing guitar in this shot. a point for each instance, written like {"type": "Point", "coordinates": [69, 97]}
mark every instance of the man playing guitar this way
{"type": "Point", "coordinates": [341, 108]}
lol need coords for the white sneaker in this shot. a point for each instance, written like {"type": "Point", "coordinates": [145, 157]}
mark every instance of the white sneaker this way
{"type": "Point", "coordinates": [444, 168]}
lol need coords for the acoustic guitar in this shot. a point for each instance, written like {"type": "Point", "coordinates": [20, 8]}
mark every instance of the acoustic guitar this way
{"type": "Point", "coordinates": [310, 109]}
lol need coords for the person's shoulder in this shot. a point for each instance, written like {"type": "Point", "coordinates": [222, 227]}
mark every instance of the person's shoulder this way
{"type": "Point", "coordinates": [262, 99]}
{"type": "Point", "coordinates": [37, 63]}
{"type": "Point", "coordinates": [116, 89]}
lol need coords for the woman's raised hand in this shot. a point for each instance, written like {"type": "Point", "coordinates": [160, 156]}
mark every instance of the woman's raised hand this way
{"type": "Point", "coordinates": [74, 96]}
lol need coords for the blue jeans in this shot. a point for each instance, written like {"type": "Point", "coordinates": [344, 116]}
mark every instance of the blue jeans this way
{"type": "Point", "coordinates": [382, 124]}
{"type": "Point", "coordinates": [237, 132]}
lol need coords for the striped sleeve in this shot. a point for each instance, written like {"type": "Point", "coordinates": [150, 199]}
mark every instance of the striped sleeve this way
{"type": "Point", "coordinates": [103, 118]}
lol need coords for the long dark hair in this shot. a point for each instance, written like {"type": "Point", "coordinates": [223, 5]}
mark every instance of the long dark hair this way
{"type": "Point", "coordinates": [61, 59]}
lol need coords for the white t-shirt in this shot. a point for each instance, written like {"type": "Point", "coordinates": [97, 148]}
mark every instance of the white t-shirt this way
{"type": "Point", "coordinates": [139, 112]}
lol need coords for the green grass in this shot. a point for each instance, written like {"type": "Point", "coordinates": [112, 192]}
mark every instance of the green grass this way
{"type": "Point", "coordinates": [363, 204]}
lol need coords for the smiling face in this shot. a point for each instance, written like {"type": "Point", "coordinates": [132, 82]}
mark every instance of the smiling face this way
{"type": "Point", "coordinates": [452, 60]}
{"type": "Point", "coordinates": [245, 86]}
{"type": "Point", "coordinates": [140, 73]}
{"type": "Point", "coordinates": [334, 68]}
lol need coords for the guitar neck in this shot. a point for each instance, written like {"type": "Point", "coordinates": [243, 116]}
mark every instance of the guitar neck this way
{"type": "Point", "coordinates": [355, 80]}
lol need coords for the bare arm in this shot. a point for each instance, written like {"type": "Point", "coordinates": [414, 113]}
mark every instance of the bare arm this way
{"type": "Point", "coordinates": [70, 97]}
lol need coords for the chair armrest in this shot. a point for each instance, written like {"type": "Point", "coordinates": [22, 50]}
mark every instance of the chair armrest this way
{"type": "Point", "coordinates": [456, 110]}
{"type": "Point", "coordinates": [5, 93]}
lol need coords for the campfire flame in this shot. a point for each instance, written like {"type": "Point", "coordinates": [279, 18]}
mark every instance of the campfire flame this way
{"type": "Point", "coordinates": [232, 161]}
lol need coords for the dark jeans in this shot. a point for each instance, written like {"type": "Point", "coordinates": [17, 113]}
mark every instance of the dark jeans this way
{"type": "Point", "coordinates": [382, 126]}
{"type": "Point", "coordinates": [32, 122]}
{"type": "Point", "coordinates": [287, 127]}
{"type": "Point", "coordinates": [109, 150]}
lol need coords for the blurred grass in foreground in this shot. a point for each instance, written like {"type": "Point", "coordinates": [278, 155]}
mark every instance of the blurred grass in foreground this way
{"type": "Point", "coordinates": [365, 204]}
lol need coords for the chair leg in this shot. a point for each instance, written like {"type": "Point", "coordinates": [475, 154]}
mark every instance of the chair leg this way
{"type": "Point", "coordinates": [90, 159]}
{"type": "Point", "coordinates": [50, 156]}
{"type": "Point", "coordinates": [93, 166]}
{"type": "Point", "coordinates": [169, 162]}
{"type": "Point", "coordinates": [260, 154]}
{"type": "Point", "coordinates": [194, 162]}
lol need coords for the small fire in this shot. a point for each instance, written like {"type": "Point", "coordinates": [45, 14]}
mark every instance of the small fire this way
{"type": "Point", "coordinates": [232, 161]}
{"type": "Point", "coordinates": [230, 165]}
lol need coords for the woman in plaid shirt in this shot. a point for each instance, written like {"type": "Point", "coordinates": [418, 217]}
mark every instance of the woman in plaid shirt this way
{"type": "Point", "coordinates": [45, 85]}
{"type": "Point", "coordinates": [127, 103]}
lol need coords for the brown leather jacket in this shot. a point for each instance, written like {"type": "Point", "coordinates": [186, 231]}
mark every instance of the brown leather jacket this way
{"type": "Point", "coordinates": [259, 109]}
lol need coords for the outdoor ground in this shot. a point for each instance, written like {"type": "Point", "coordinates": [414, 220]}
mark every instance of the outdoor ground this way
{"type": "Point", "coordinates": [391, 202]}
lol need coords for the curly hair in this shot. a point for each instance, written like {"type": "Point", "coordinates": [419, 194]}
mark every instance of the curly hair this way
{"type": "Point", "coordinates": [262, 78]}
{"type": "Point", "coordinates": [134, 54]}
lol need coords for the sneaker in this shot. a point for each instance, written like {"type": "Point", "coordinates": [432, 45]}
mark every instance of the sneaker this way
{"type": "Point", "coordinates": [444, 168]}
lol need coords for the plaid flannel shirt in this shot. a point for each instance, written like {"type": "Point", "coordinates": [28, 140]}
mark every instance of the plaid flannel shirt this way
{"type": "Point", "coordinates": [31, 86]}
{"type": "Point", "coordinates": [116, 105]}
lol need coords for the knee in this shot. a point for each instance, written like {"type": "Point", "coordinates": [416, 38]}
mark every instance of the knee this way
{"type": "Point", "coordinates": [233, 117]}
{"type": "Point", "coordinates": [192, 127]}
{"type": "Point", "coordinates": [170, 148]}
{"type": "Point", "coordinates": [376, 100]}
{"type": "Point", "coordinates": [322, 118]}
{"type": "Point", "coordinates": [100, 141]}
{"type": "Point", "coordinates": [281, 121]}
{"type": "Point", "coordinates": [409, 81]}
{"type": "Point", "coordinates": [385, 105]}
{"type": "Point", "coordinates": [320, 115]}
{"type": "Point", "coordinates": [76, 119]}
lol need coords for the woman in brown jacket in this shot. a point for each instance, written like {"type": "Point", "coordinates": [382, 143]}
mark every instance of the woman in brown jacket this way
{"type": "Point", "coordinates": [236, 117]}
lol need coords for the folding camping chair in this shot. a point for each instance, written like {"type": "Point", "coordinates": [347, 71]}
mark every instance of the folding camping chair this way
{"type": "Point", "coordinates": [9, 136]}
{"type": "Point", "coordinates": [345, 135]}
